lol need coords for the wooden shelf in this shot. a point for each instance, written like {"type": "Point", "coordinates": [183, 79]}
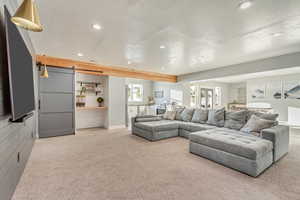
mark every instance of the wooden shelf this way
{"type": "Point", "coordinates": [88, 83]}
{"type": "Point", "coordinates": [91, 108]}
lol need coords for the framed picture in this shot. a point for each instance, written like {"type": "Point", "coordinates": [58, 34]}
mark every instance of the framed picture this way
{"type": "Point", "coordinates": [159, 94]}
{"type": "Point", "coordinates": [275, 89]}
{"type": "Point", "coordinates": [258, 91]}
{"type": "Point", "coordinates": [291, 89]}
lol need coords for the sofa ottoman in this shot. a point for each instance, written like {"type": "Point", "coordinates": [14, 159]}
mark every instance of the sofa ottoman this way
{"type": "Point", "coordinates": [156, 130]}
{"type": "Point", "coordinates": [243, 152]}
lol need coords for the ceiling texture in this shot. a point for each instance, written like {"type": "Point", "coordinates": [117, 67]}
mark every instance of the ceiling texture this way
{"type": "Point", "coordinates": [197, 34]}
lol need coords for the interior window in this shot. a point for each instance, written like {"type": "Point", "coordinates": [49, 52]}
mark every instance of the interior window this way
{"type": "Point", "coordinates": [135, 92]}
{"type": "Point", "coordinates": [194, 96]}
{"type": "Point", "coordinates": [218, 96]}
{"type": "Point", "coordinates": [176, 96]}
{"type": "Point", "coordinates": [206, 98]}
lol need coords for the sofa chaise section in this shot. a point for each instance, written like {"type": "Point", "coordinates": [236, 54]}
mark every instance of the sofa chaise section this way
{"type": "Point", "coordinates": [243, 152]}
{"type": "Point", "coordinates": [155, 130]}
{"type": "Point", "coordinates": [163, 129]}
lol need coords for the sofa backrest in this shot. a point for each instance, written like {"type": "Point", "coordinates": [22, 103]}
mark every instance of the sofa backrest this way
{"type": "Point", "coordinates": [267, 116]}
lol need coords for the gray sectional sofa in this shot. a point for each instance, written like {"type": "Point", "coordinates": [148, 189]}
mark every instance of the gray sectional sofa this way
{"type": "Point", "coordinates": [250, 153]}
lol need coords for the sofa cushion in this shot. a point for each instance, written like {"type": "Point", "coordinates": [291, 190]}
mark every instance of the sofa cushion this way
{"type": "Point", "coordinates": [200, 116]}
{"type": "Point", "coordinates": [267, 116]}
{"type": "Point", "coordinates": [148, 119]}
{"type": "Point", "coordinates": [228, 130]}
{"type": "Point", "coordinates": [178, 113]}
{"type": "Point", "coordinates": [256, 124]}
{"type": "Point", "coordinates": [184, 133]}
{"type": "Point", "coordinates": [235, 120]}
{"type": "Point", "coordinates": [170, 115]}
{"type": "Point", "coordinates": [238, 143]}
{"type": "Point", "coordinates": [193, 127]}
{"type": "Point", "coordinates": [257, 134]}
{"type": "Point", "coordinates": [187, 114]}
{"type": "Point", "coordinates": [216, 117]}
{"type": "Point", "coordinates": [154, 126]}
{"type": "Point", "coordinates": [144, 116]}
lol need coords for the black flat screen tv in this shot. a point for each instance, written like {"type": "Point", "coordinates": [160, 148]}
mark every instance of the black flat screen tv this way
{"type": "Point", "coordinates": [20, 70]}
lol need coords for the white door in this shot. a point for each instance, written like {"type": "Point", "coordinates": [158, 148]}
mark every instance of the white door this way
{"type": "Point", "coordinates": [206, 98]}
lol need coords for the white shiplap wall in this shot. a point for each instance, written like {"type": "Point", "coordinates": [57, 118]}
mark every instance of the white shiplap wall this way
{"type": "Point", "coordinates": [16, 140]}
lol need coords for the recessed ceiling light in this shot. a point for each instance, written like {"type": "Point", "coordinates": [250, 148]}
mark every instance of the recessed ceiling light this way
{"type": "Point", "coordinates": [245, 4]}
{"type": "Point", "coordinates": [162, 47]}
{"type": "Point", "coordinates": [276, 34]}
{"type": "Point", "coordinates": [97, 27]}
{"type": "Point", "coordinates": [129, 62]}
{"type": "Point", "coordinates": [80, 54]}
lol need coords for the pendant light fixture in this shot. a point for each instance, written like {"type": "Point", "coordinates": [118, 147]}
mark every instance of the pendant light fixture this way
{"type": "Point", "coordinates": [45, 72]}
{"type": "Point", "coordinates": [27, 16]}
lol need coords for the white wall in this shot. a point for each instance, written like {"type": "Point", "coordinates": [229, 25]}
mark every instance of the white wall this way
{"type": "Point", "coordinates": [237, 92]}
{"type": "Point", "coordinates": [147, 89]}
{"type": "Point", "coordinates": [93, 117]}
{"type": "Point", "coordinates": [280, 106]}
{"type": "Point", "coordinates": [268, 64]}
{"type": "Point", "coordinates": [185, 87]}
{"type": "Point", "coordinates": [116, 102]}
{"type": "Point", "coordinates": [224, 89]}
{"type": "Point", "coordinates": [166, 88]}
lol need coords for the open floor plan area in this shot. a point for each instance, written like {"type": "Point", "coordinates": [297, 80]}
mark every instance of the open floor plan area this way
{"type": "Point", "coordinates": [150, 100]}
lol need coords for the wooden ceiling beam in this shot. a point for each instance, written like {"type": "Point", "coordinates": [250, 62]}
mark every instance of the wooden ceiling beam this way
{"type": "Point", "coordinates": [96, 69]}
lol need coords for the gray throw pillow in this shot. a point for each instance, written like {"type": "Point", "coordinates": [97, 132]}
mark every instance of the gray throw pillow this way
{"type": "Point", "coordinates": [216, 117]}
{"type": "Point", "coordinates": [178, 113]}
{"type": "Point", "coordinates": [187, 114]}
{"type": "Point", "coordinates": [267, 116]}
{"type": "Point", "coordinates": [200, 116]}
{"type": "Point", "coordinates": [256, 124]}
{"type": "Point", "coordinates": [235, 120]}
{"type": "Point", "coordinates": [170, 115]}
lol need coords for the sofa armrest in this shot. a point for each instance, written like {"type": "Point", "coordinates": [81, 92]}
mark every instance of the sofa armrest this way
{"type": "Point", "coordinates": [133, 120]}
{"type": "Point", "coordinates": [147, 118]}
{"type": "Point", "coordinates": [280, 136]}
{"type": "Point", "coordinates": [136, 119]}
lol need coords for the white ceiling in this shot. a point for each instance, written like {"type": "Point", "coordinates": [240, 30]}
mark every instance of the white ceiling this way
{"type": "Point", "coordinates": [197, 34]}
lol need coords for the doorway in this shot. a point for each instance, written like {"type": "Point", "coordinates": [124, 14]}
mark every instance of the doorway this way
{"type": "Point", "coordinates": [206, 98]}
{"type": "Point", "coordinates": [56, 103]}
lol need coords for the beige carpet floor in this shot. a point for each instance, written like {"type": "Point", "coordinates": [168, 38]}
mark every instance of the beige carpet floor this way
{"type": "Point", "coordinates": [114, 165]}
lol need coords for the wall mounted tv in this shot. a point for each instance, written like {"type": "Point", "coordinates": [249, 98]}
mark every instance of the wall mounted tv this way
{"type": "Point", "coordinates": [20, 71]}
